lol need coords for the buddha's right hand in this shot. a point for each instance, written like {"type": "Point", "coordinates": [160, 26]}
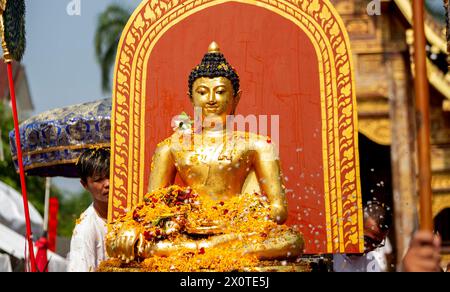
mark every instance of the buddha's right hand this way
{"type": "Point", "coordinates": [122, 244]}
{"type": "Point", "coordinates": [205, 228]}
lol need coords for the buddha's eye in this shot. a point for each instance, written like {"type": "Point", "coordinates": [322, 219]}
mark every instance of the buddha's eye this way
{"type": "Point", "coordinates": [201, 91]}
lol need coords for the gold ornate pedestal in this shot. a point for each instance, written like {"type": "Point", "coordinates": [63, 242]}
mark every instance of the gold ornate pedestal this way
{"type": "Point", "coordinates": [269, 266]}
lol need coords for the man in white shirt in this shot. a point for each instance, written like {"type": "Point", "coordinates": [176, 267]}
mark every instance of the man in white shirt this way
{"type": "Point", "coordinates": [377, 222]}
{"type": "Point", "coordinates": [87, 248]}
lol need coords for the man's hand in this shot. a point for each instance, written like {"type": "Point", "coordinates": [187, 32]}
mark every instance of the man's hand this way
{"type": "Point", "coordinates": [423, 254]}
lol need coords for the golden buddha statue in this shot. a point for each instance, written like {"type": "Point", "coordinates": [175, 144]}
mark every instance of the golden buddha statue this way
{"type": "Point", "coordinates": [218, 165]}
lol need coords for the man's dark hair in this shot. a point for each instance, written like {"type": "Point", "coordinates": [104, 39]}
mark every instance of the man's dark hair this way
{"type": "Point", "coordinates": [214, 65]}
{"type": "Point", "coordinates": [380, 213]}
{"type": "Point", "coordinates": [94, 163]}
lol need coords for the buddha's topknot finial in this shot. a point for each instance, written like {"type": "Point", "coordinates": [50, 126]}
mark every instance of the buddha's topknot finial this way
{"type": "Point", "coordinates": [214, 48]}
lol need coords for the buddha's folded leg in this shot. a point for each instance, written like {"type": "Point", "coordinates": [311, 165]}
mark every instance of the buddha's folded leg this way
{"type": "Point", "coordinates": [290, 244]}
{"type": "Point", "coordinates": [147, 249]}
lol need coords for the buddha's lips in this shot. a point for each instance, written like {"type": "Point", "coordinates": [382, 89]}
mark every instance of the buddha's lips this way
{"type": "Point", "coordinates": [212, 107]}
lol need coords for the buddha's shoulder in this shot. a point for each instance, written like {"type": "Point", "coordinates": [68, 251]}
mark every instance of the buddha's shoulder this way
{"type": "Point", "coordinates": [174, 142]}
{"type": "Point", "coordinates": [164, 144]}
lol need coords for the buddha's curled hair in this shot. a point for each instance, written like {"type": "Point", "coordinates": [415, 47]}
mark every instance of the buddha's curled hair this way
{"type": "Point", "coordinates": [214, 65]}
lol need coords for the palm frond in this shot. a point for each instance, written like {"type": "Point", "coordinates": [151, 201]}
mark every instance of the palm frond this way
{"type": "Point", "coordinates": [109, 29]}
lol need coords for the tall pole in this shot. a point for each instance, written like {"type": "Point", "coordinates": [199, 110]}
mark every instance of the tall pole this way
{"type": "Point", "coordinates": [21, 169]}
{"type": "Point", "coordinates": [421, 87]}
{"type": "Point", "coordinates": [8, 58]}
{"type": "Point", "coordinates": [47, 203]}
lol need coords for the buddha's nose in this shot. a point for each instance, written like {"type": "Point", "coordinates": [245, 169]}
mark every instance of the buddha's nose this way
{"type": "Point", "coordinates": [212, 98]}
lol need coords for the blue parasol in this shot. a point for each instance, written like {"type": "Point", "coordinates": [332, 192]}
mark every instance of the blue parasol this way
{"type": "Point", "coordinates": [52, 141]}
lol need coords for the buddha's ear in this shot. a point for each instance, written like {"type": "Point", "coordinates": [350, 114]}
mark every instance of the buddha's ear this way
{"type": "Point", "coordinates": [237, 98]}
{"type": "Point", "coordinates": [190, 96]}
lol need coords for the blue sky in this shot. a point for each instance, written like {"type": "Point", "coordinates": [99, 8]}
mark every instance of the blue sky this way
{"type": "Point", "coordinates": [60, 56]}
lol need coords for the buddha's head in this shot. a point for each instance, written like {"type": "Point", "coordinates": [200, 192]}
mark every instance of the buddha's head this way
{"type": "Point", "coordinates": [214, 85]}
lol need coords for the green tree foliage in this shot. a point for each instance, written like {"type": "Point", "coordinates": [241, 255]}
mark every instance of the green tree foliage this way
{"type": "Point", "coordinates": [8, 175]}
{"type": "Point", "coordinates": [70, 209]}
{"type": "Point", "coordinates": [109, 29]}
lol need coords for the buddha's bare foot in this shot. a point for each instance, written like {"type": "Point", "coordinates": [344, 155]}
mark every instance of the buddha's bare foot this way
{"type": "Point", "coordinates": [290, 244]}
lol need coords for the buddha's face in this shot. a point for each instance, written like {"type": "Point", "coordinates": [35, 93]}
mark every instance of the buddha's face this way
{"type": "Point", "coordinates": [215, 96]}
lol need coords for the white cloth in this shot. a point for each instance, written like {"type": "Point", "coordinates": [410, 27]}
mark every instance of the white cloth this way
{"type": "Point", "coordinates": [14, 244]}
{"type": "Point", "coordinates": [5, 263]}
{"type": "Point", "coordinates": [12, 214]}
{"type": "Point", "coordinates": [356, 263]}
{"type": "Point", "coordinates": [87, 247]}
{"type": "Point", "coordinates": [381, 253]}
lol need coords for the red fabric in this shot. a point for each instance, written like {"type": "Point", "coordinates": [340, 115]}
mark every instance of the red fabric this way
{"type": "Point", "coordinates": [53, 223]}
{"type": "Point", "coordinates": [41, 256]}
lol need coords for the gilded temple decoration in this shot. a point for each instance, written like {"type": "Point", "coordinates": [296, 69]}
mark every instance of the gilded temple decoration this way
{"type": "Point", "coordinates": [337, 207]}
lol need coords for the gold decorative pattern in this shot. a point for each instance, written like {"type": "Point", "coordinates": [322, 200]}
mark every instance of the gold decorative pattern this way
{"type": "Point", "coordinates": [2, 6]}
{"type": "Point", "coordinates": [6, 55]}
{"type": "Point", "coordinates": [58, 148]}
{"type": "Point", "coordinates": [436, 38]}
{"type": "Point", "coordinates": [446, 106]}
{"type": "Point", "coordinates": [377, 130]}
{"type": "Point", "coordinates": [440, 202]}
{"type": "Point", "coordinates": [440, 182]}
{"type": "Point", "coordinates": [437, 78]}
{"type": "Point", "coordinates": [319, 20]}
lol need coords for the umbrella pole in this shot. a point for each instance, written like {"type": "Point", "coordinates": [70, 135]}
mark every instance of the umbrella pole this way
{"type": "Point", "coordinates": [29, 235]}
{"type": "Point", "coordinates": [47, 203]}
{"type": "Point", "coordinates": [422, 92]}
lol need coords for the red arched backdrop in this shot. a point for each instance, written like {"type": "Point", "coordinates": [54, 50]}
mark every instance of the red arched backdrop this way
{"type": "Point", "coordinates": [279, 72]}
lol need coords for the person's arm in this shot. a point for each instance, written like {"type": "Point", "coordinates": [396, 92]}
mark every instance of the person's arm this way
{"type": "Point", "coordinates": [423, 254]}
{"type": "Point", "coordinates": [163, 168]}
{"type": "Point", "coordinates": [267, 168]}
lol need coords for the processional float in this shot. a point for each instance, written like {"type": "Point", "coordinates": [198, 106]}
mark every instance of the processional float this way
{"type": "Point", "coordinates": [295, 64]}
{"type": "Point", "coordinates": [296, 75]}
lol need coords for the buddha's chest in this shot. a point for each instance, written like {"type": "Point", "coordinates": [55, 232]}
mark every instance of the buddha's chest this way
{"type": "Point", "coordinates": [199, 164]}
